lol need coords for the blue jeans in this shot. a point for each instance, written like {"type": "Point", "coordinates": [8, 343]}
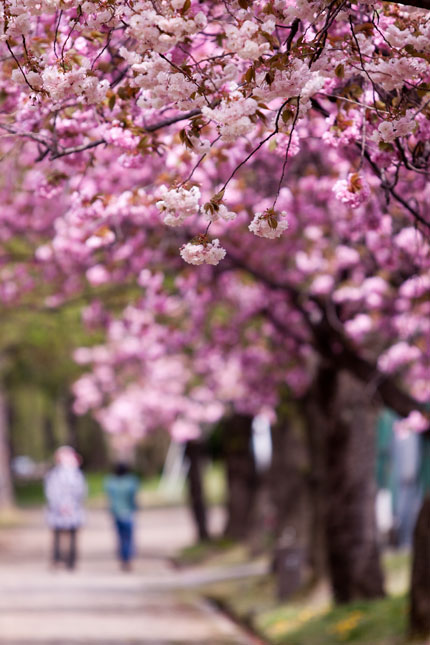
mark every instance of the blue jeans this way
{"type": "Point", "coordinates": [125, 538]}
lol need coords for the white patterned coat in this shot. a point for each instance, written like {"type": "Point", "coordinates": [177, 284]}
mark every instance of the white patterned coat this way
{"type": "Point", "coordinates": [65, 491]}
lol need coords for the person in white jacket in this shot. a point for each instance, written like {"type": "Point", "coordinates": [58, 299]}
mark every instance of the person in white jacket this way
{"type": "Point", "coordinates": [65, 491]}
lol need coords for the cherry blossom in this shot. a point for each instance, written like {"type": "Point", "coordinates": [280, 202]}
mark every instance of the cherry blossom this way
{"type": "Point", "coordinates": [203, 251]}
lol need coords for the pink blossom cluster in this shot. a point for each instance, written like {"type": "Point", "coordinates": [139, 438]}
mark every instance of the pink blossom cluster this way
{"type": "Point", "coordinates": [397, 356]}
{"type": "Point", "coordinates": [178, 204]}
{"type": "Point", "coordinates": [353, 191]}
{"type": "Point", "coordinates": [264, 226]}
{"type": "Point", "coordinates": [414, 422]}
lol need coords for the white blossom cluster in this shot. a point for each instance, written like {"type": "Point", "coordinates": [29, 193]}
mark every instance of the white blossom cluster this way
{"type": "Point", "coordinates": [160, 85]}
{"type": "Point", "coordinates": [233, 116]}
{"type": "Point", "coordinates": [221, 213]}
{"type": "Point", "coordinates": [246, 40]}
{"type": "Point", "coordinates": [155, 31]}
{"type": "Point", "coordinates": [389, 131]}
{"type": "Point", "coordinates": [177, 204]}
{"type": "Point", "coordinates": [391, 74]}
{"type": "Point", "coordinates": [260, 226]}
{"type": "Point", "coordinates": [209, 253]}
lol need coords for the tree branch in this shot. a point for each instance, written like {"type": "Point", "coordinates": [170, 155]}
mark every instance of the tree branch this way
{"type": "Point", "coordinates": [326, 337]}
{"type": "Point", "coordinates": [413, 211]}
{"type": "Point", "coordinates": [27, 135]}
{"type": "Point", "coordinates": [56, 154]}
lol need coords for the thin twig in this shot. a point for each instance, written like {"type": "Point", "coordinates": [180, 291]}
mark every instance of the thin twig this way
{"type": "Point", "coordinates": [284, 165]}
{"type": "Point", "coordinates": [20, 68]}
{"type": "Point", "coordinates": [251, 154]}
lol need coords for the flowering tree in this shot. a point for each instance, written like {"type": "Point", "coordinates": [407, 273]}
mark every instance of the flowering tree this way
{"type": "Point", "coordinates": [203, 90]}
{"type": "Point", "coordinates": [140, 136]}
{"type": "Point", "coordinates": [262, 76]}
{"type": "Point", "coordinates": [259, 320]}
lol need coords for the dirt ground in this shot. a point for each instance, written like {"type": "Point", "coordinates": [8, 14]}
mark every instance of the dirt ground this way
{"type": "Point", "coordinates": [155, 604]}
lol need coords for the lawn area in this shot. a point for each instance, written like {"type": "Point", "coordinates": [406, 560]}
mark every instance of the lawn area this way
{"type": "Point", "coordinates": [30, 492]}
{"type": "Point", "coordinates": [311, 619]}
{"type": "Point", "coordinates": [216, 552]}
{"type": "Point", "coordinates": [152, 492]}
{"type": "Point", "coordinates": [381, 622]}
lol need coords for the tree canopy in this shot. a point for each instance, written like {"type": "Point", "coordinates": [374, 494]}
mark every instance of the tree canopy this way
{"type": "Point", "coordinates": [143, 136]}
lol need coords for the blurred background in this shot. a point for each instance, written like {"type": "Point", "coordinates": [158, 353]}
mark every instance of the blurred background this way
{"type": "Point", "coordinates": [250, 518]}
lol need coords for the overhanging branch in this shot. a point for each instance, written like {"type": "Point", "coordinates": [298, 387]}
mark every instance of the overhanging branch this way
{"type": "Point", "coordinates": [325, 337]}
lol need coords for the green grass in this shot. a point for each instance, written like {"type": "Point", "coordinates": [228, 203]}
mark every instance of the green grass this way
{"type": "Point", "coordinates": [95, 482]}
{"type": "Point", "coordinates": [219, 551]}
{"type": "Point", "coordinates": [309, 618]}
{"type": "Point", "coordinates": [397, 567]}
{"type": "Point", "coordinates": [378, 622]}
{"type": "Point", "coordinates": [312, 620]}
{"type": "Point", "coordinates": [153, 492]}
{"type": "Point", "coordinates": [30, 493]}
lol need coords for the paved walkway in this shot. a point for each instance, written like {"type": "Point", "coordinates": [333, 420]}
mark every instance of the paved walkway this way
{"type": "Point", "coordinates": [155, 604]}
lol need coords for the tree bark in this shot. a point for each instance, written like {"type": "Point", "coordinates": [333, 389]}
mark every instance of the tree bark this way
{"type": "Point", "coordinates": [351, 533]}
{"type": "Point", "coordinates": [419, 617]}
{"type": "Point", "coordinates": [316, 481]}
{"type": "Point", "coordinates": [290, 495]}
{"type": "Point", "coordinates": [194, 451]}
{"type": "Point", "coordinates": [6, 488]}
{"type": "Point", "coordinates": [241, 473]}
{"type": "Point", "coordinates": [262, 523]}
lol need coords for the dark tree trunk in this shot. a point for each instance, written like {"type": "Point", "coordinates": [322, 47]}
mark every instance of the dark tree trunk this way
{"type": "Point", "coordinates": [351, 533]}
{"type": "Point", "coordinates": [419, 617]}
{"type": "Point", "coordinates": [241, 473]}
{"type": "Point", "coordinates": [194, 453]}
{"type": "Point", "coordinates": [261, 530]}
{"type": "Point", "coordinates": [290, 495]}
{"type": "Point", "coordinates": [311, 409]}
{"type": "Point", "coordinates": [6, 488]}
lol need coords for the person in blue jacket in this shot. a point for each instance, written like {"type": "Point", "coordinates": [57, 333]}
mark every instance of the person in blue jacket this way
{"type": "Point", "coordinates": [121, 488]}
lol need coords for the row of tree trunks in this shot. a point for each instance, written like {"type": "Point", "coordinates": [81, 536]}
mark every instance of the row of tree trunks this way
{"type": "Point", "coordinates": [320, 490]}
{"type": "Point", "coordinates": [320, 504]}
{"type": "Point", "coordinates": [241, 474]}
